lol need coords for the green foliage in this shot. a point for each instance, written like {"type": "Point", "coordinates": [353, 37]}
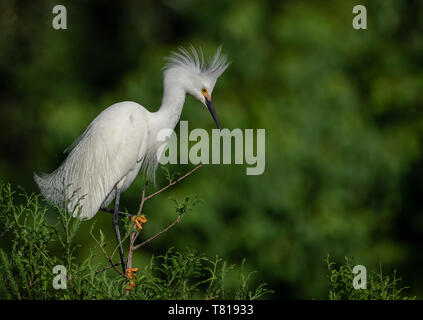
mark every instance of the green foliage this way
{"type": "Point", "coordinates": [378, 287]}
{"type": "Point", "coordinates": [186, 205]}
{"type": "Point", "coordinates": [169, 176]}
{"type": "Point", "coordinates": [189, 275]}
{"type": "Point", "coordinates": [28, 258]}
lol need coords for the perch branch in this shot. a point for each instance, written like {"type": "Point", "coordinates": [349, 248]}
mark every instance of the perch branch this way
{"type": "Point", "coordinates": [134, 234]}
{"type": "Point", "coordinates": [142, 200]}
{"type": "Point", "coordinates": [159, 233]}
{"type": "Point", "coordinates": [173, 183]}
{"type": "Point", "coordinates": [107, 268]}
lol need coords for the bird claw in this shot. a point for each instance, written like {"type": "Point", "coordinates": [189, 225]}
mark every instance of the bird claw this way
{"type": "Point", "coordinates": [139, 221]}
{"type": "Point", "coordinates": [131, 285]}
{"type": "Point", "coordinates": [130, 273]}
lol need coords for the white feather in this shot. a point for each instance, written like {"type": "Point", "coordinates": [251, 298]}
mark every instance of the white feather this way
{"type": "Point", "coordinates": [121, 140]}
{"type": "Point", "coordinates": [104, 154]}
{"type": "Point", "coordinates": [194, 63]}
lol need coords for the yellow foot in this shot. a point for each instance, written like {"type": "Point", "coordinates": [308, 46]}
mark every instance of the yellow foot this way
{"type": "Point", "coordinates": [130, 273]}
{"type": "Point", "coordinates": [131, 285]}
{"type": "Point", "coordinates": [139, 221]}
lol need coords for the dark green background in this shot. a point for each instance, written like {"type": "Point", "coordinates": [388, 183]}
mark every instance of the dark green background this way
{"type": "Point", "coordinates": [342, 109]}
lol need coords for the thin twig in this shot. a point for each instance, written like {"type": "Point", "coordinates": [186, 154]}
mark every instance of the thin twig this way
{"type": "Point", "coordinates": [109, 258]}
{"type": "Point", "coordinates": [142, 200]}
{"type": "Point", "coordinates": [173, 183]}
{"type": "Point", "coordinates": [160, 233]}
{"type": "Point", "coordinates": [108, 267]}
{"type": "Point", "coordinates": [114, 267]}
{"type": "Point", "coordinates": [134, 235]}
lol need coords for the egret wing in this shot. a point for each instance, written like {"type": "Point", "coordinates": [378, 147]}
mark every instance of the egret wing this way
{"type": "Point", "coordinates": [103, 155]}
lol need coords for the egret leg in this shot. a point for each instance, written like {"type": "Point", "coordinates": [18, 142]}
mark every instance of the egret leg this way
{"type": "Point", "coordinates": [117, 231]}
{"type": "Point", "coordinates": [120, 213]}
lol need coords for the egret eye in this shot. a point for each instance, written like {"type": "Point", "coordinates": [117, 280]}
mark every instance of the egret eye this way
{"type": "Point", "coordinates": [204, 90]}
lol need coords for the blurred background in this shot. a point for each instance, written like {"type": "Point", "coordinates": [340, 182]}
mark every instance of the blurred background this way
{"type": "Point", "coordinates": [342, 109]}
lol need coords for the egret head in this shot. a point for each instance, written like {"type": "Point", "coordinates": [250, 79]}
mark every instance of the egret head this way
{"type": "Point", "coordinates": [197, 78]}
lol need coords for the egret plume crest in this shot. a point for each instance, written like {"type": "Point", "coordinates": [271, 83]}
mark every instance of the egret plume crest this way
{"type": "Point", "coordinates": [193, 62]}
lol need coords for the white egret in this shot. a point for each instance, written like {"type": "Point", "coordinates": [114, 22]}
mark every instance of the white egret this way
{"type": "Point", "coordinates": [121, 140]}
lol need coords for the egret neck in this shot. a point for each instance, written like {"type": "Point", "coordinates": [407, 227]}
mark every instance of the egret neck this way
{"type": "Point", "coordinates": [170, 111]}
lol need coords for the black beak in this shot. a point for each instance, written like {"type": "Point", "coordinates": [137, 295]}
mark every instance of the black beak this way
{"type": "Point", "coordinates": [209, 105]}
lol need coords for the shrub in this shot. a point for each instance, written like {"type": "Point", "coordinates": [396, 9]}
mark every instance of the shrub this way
{"type": "Point", "coordinates": [379, 287]}
{"type": "Point", "coordinates": [27, 258]}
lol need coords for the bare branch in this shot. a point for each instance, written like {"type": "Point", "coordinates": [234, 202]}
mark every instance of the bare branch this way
{"type": "Point", "coordinates": [174, 182]}
{"type": "Point", "coordinates": [114, 267]}
{"type": "Point", "coordinates": [107, 268]}
{"type": "Point", "coordinates": [160, 233]}
{"type": "Point", "coordinates": [134, 235]}
{"type": "Point", "coordinates": [142, 200]}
